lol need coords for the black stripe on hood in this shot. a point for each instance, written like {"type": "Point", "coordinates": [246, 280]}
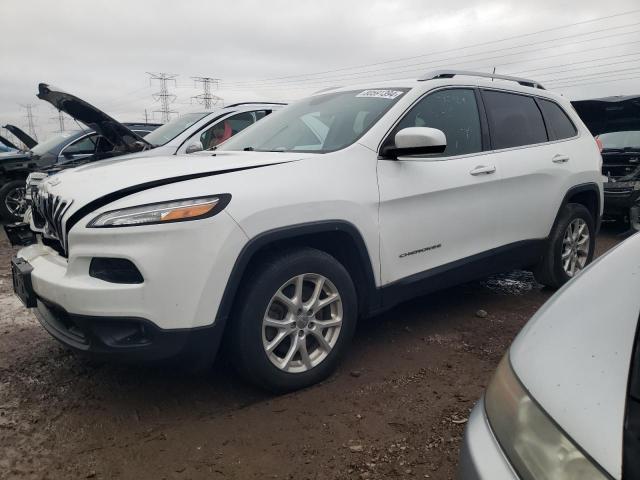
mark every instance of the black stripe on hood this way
{"type": "Point", "coordinates": [125, 192]}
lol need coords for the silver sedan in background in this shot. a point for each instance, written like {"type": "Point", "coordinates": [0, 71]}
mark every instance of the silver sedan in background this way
{"type": "Point", "coordinates": [564, 403]}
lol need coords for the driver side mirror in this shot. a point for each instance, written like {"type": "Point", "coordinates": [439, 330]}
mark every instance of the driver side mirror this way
{"type": "Point", "coordinates": [416, 141]}
{"type": "Point", "coordinates": [194, 147]}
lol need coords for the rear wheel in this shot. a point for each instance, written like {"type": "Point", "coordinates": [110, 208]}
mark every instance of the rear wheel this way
{"type": "Point", "coordinates": [570, 247]}
{"type": "Point", "coordinates": [296, 317]}
{"type": "Point", "coordinates": [13, 203]}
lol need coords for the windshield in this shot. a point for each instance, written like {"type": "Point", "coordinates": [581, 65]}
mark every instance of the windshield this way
{"type": "Point", "coordinates": [172, 129]}
{"type": "Point", "coordinates": [621, 140]}
{"type": "Point", "coordinates": [52, 142]}
{"type": "Point", "coordinates": [319, 124]}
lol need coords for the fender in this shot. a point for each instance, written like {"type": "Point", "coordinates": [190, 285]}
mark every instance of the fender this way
{"type": "Point", "coordinates": [576, 189]}
{"type": "Point", "coordinates": [274, 236]}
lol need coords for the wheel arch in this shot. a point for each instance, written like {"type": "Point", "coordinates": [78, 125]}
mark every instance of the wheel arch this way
{"type": "Point", "coordinates": [338, 238]}
{"type": "Point", "coordinates": [586, 194]}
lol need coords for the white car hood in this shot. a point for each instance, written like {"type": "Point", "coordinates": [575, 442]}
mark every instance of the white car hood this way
{"type": "Point", "coordinates": [574, 355]}
{"type": "Point", "coordinates": [95, 180]}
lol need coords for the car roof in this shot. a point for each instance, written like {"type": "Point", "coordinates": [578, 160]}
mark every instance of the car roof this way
{"type": "Point", "coordinates": [574, 355]}
{"type": "Point", "coordinates": [453, 78]}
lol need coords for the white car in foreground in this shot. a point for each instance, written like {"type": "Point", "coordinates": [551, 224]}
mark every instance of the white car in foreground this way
{"type": "Point", "coordinates": [565, 400]}
{"type": "Point", "coordinates": [331, 209]}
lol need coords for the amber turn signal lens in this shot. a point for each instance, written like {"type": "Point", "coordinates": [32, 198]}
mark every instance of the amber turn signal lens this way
{"type": "Point", "coordinates": [187, 212]}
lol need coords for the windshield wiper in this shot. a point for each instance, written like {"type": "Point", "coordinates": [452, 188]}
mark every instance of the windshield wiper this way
{"type": "Point", "coordinates": [248, 149]}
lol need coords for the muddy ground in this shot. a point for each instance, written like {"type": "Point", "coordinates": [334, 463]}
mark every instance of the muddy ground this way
{"type": "Point", "coordinates": [395, 409]}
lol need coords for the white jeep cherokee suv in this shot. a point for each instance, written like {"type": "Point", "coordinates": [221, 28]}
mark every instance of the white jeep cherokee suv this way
{"type": "Point", "coordinates": [329, 210]}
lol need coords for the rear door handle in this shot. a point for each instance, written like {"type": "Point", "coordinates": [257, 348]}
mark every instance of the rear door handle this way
{"type": "Point", "coordinates": [483, 170]}
{"type": "Point", "coordinates": [560, 158]}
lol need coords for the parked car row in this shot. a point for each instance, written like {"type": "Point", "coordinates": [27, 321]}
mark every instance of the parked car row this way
{"type": "Point", "coordinates": [276, 232]}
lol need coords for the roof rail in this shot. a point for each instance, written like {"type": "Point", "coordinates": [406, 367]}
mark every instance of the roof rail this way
{"type": "Point", "coordinates": [253, 103]}
{"type": "Point", "coordinates": [452, 73]}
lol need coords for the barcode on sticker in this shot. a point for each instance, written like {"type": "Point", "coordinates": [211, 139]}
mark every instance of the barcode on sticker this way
{"type": "Point", "coordinates": [389, 94]}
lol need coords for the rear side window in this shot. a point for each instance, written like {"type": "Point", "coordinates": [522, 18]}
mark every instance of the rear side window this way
{"type": "Point", "coordinates": [558, 123]}
{"type": "Point", "coordinates": [514, 120]}
{"type": "Point", "coordinates": [455, 112]}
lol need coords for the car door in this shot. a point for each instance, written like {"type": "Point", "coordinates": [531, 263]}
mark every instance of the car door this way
{"type": "Point", "coordinates": [533, 170]}
{"type": "Point", "coordinates": [441, 208]}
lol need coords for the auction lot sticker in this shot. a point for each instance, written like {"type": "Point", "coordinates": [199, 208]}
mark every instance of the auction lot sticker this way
{"type": "Point", "coordinates": [388, 94]}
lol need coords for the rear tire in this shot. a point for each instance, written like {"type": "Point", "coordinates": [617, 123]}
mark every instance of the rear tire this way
{"type": "Point", "coordinates": [570, 246]}
{"type": "Point", "coordinates": [295, 317]}
{"type": "Point", "coordinates": [12, 201]}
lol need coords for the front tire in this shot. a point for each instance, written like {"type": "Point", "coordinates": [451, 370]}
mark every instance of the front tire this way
{"type": "Point", "coordinates": [13, 203]}
{"type": "Point", "coordinates": [295, 318]}
{"type": "Point", "coordinates": [570, 246]}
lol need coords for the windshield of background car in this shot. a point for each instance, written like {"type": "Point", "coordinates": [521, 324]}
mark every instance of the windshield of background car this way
{"type": "Point", "coordinates": [621, 140]}
{"type": "Point", "coordinates": [52, 142]}
{"type": "Point", "coordinates": [318, 124]}
{"type": "Point", "coordinates": [170, 130]}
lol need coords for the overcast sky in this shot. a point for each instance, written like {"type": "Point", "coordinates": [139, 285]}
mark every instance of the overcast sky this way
{"type": "Point", "coordinates": [283, 50]}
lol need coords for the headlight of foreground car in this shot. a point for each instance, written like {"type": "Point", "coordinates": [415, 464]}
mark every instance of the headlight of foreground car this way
{"type": "Point", "coordinates": [163, 212]}
{"type": "Point", "coordinates": [533, 443]}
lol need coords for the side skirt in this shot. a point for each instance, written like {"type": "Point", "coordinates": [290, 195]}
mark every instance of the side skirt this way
{"type": "Point", "coordinates": [502, 259]}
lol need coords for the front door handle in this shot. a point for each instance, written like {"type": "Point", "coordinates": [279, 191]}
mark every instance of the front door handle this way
{"type": "Point", "coordinates": [560, 158]}
{"type": "Point", "coordinates": [483, 170]}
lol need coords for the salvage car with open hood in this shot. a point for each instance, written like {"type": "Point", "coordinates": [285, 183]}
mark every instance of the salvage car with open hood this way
{"type": "Point", "coordinates": [104, 138]}
{"type": "Point", "coordinates": [615, 121]}
{"type": "Point", "coordinates": [21, 135]}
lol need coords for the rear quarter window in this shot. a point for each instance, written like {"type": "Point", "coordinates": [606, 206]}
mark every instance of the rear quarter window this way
{"type": "Point", "coordinates": [558, 122]}
{"type": "Point", "coordinates": [514, 120]}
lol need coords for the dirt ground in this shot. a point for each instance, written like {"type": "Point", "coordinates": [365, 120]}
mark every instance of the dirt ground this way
{"type": "Point", "coordinates": [395, 409]}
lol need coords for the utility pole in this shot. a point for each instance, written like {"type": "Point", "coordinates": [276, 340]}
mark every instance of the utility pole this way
{"type": "Point", "coordinates": [30, 123]}
{"type": "Point", "coordinates": [163, 96]}
{"type": "Point", "coordinates": [60, 119]}
{"type": "Point", "coordinates": [206, 97]}
{"type": "Point", "coordinates": [146, 116]}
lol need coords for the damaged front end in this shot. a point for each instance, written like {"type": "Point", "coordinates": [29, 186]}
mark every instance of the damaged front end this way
{"type": "Point", "coordinates": [615, 122]}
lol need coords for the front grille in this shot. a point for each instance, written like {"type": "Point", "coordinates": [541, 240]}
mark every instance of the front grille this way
{"type": "Point", "coordinates": [48, 211]}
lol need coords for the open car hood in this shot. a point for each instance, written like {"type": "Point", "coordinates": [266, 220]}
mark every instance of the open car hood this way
{"type": "Point", "coordinates": [8, 143]}
{"type": "Point", "coordinates": [23, 136]}
{"type": "Point", "coordinates": [124, 139]}
{"type": "Point", "coordinates": [609, 114]}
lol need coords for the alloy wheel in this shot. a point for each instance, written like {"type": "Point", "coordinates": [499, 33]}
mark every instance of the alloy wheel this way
{"type": "Point", "coordinates": [16, 202]}
{"type": "Point", "coordinates": [302, 323]}
{"type": "Point", "coordinates": [575, 246]}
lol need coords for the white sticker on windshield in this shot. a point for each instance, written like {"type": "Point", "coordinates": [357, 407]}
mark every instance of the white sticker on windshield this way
{"type": "Point", "coordinates": [388, 94]}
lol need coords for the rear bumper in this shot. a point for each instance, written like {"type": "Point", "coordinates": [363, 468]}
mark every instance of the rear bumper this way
{"type": "Point", "coordinates": [126, 339]}
{"type": "Point", "coordinates": [481, 457]}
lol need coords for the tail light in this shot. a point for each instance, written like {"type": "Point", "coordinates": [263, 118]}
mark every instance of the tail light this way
{"type": "Point", "coordinates": [599, 143]}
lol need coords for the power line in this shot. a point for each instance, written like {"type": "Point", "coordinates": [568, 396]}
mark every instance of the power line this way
{"type": "Point", "coordinates": [163, 96]}
{"type": "Point", "coordinates": [206, 98]}
{"type": "Point", "coordinates": [444, 62]}
{"type": "Point", "coordinates": [402, 74]}
{"type": "Point", "coordinates": [597, 74]}
{"type": "Point", "coordinates": [620, 79]}
{"type": "Point", "coordinates": [490, 42]}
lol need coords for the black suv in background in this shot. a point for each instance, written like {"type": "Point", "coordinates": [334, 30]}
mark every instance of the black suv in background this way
{"type": "Point", "coordinates": [615, 122]}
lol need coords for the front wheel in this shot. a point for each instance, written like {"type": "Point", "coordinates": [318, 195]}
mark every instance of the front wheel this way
{"type": "Point", "coordinates": [13, 203]}
{"type": "Point", "coordinates": [296, 317]}
{"type": "Point", "coordinates": [570, 247]}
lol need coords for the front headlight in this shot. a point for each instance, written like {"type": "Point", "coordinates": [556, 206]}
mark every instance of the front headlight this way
{"type": "Point", "coordinates": [536, 447]}
{"type": "Point", "coordinates": [162, 212]}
